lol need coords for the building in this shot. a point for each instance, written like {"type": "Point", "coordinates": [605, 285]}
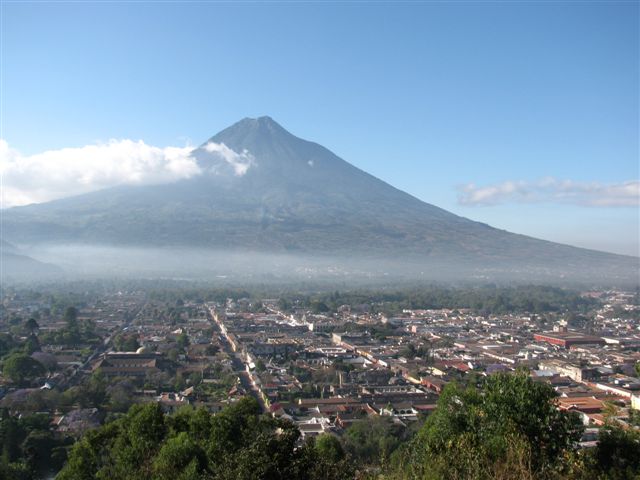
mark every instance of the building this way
{"type": "Point", "coordinates": [574, 372]}
{"type": "Point", "coordinates": [567, 339]}
{"type": "Point", "coordinates": [128, 364]}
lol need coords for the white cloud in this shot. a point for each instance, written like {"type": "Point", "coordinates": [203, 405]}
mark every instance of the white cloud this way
{"type": "Point", "coordinates": [552, 190]}
{"type": "Point", "coordinates": [240, 162]}
{"type": "Point", "coordinates": [71, 171]}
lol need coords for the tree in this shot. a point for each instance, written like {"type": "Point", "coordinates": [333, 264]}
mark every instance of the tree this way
{"type": "Point", "coordinates": [71, 335]}
{"type": "Point", "coordinates": [237, 443]}
{"type": "Point", "coordinates": [31, 326]}
{"type": "Point", "coordinates": [7, 343]}
{"type": "Point", "coordinates": [121, 396]}
{"type": "Point", "coordinates": [88, 329]}
{"type": "Point", "coordinates": [260, 366]}
{"type": "Point", "coordinates": [11, 434]}
{"type": "Point", "coordinates": [372, 440]}
{"type": "Point", "coordinates": [95, 389]}
{"type": "Point", "coordinates": [475, 434]}
{"type": "Point", "coordinates": [617, 455]}
{"type": "Point", "coordinates": [71, 318]}
{"type": "Point", "coordinates": [21, 368]}
{"type": "Point", "coordinates": [27, 447]}
{"type": "Point", "coordinates": [182, 341]}
{"type": "Point", "coordinates": [284, 305]}
{"type": "Point", "coordinates": [634, 417]}
{"type": "Point", "coordinates": [37, 449]}
{"type": "Point", "coordinates": [329, 448]}
{"type": "Point", "coordinates": [126, 343]}
{"type": "Point", "coordinates": [319, 307]}
{"type": "Point", "coordinates": [408, 351]}
{"type": "Point", "coordinates": [15, 471]}
{"type": "Point", "coordinates": [179, 458]}
{"type": "Point", "coordinates": [211, 350]}
{"type": "Point", "coordinates": [173, 355]}
{"type": "Point", "coordinates": [31, 345]}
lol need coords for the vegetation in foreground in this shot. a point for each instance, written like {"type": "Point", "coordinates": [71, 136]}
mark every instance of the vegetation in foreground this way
{"type": "Point", "coordinates": [192, 444]}
{"type": "Point", "coordinates": [508, 430]}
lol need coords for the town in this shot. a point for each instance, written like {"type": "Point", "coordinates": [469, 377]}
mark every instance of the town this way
{"type": "Point", "coordinates": [81, 361]}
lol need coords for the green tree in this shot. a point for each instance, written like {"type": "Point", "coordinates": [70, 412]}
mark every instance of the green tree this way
{"type": "Point", "coordinates": [408, 351]}
{"type": "Point", "coordinates": [31, 345]}
{"type": "Point", "coordinates": [71, 318]}
{"type": "Point", "coordinates": [180, 458]}
{"type": "Point", "coordinates": [7, 343]}
{"type": "Point", "coordinates": [238, 443]}
{"type": "Point", "coordinates": [173, 355]}
{"type": "Point", "coordinates": [95, 390]}
{"type": "Point", "coordinates": [513, 425]}
{"type": "Point", "coordinates": [88, 330]}
{"type": "Point", "coordinates": [11, 435]}
{"type": "Point", "coordinates": [284, 305]}
{"type": "Point", "coordinates": [15, 471]}
{"type": "Point", "coordinates": [329, 448]}
{"type": "Point", "coordinates": [182, 341]}
{"type": "Point", "coordinates": [260, 366]}
{"type": "Point", "coordinates": [37, 449]}
{"type": "Point", "coordinates": [121, 396]}
{"type": "Point", "coordinates": [27, 446]}
{"type": "Point", "coordinates": [92, 455]}
{"type": "Point", "coordinates": [21, 368]}
{"type": "Point", "coordinates": [372, 440]}
{"type": "Point", "coordinates": [142, 436]}
{"type": "Point", "coordinates": [126, 343]}
{"type": "Point", "coordinates": [31, 326]}
{"type": "Point", "coordinates": [319, 307]}
{"type": "Point", "coordinates": [617, 455]}
{"type": "Point", "coordinates": [71, 335]}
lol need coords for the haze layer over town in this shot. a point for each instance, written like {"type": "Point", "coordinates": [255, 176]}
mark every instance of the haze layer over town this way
{"type": "Point", "coordinates": [311, 240]}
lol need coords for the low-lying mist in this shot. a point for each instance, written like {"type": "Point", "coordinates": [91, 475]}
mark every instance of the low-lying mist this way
{"type": "Point", "coordinates": [50, 262]}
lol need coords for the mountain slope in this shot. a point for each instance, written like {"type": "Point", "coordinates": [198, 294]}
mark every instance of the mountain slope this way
{"type": "Point", "coordinates": [264, 189]}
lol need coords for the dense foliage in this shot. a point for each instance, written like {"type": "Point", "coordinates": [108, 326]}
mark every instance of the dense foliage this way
{"type": "Point", "coordinates": [486, 300]}
{"type": "Point", "coordinates": [191, 444]}
{"type": "Point", "coordinates": [20, 368]}
{"type": "Point", "coordinates": [29, 449]}
{"type": "Point", "coordinates": [508, 429]}
{"type": "Point", "coordinates": [490, 299]}
{"type": "Point", "coordinates": [617, 456]}
{"type": "Point", "coordinates": [74, 333]}
{"type": "Point", "coordinates": [372, 441]}
{"type": "Point", "coordinates": [512, 425]}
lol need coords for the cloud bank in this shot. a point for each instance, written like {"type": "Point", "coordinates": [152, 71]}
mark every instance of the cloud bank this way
{"type": "Point", "coordinates": [552, 190]}
{"type": "Point", "coordinates": [62, 173]}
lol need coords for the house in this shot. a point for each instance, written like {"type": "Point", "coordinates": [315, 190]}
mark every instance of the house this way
{"type": "Point", "coordinates": [128, 364]}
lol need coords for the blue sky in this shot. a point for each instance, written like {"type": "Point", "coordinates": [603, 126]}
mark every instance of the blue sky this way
{"type": "Point", "coordinates": [535, 104]}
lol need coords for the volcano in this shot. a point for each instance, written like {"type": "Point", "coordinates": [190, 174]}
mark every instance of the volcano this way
{"type": "Point", "coordinates": [262, 189]}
